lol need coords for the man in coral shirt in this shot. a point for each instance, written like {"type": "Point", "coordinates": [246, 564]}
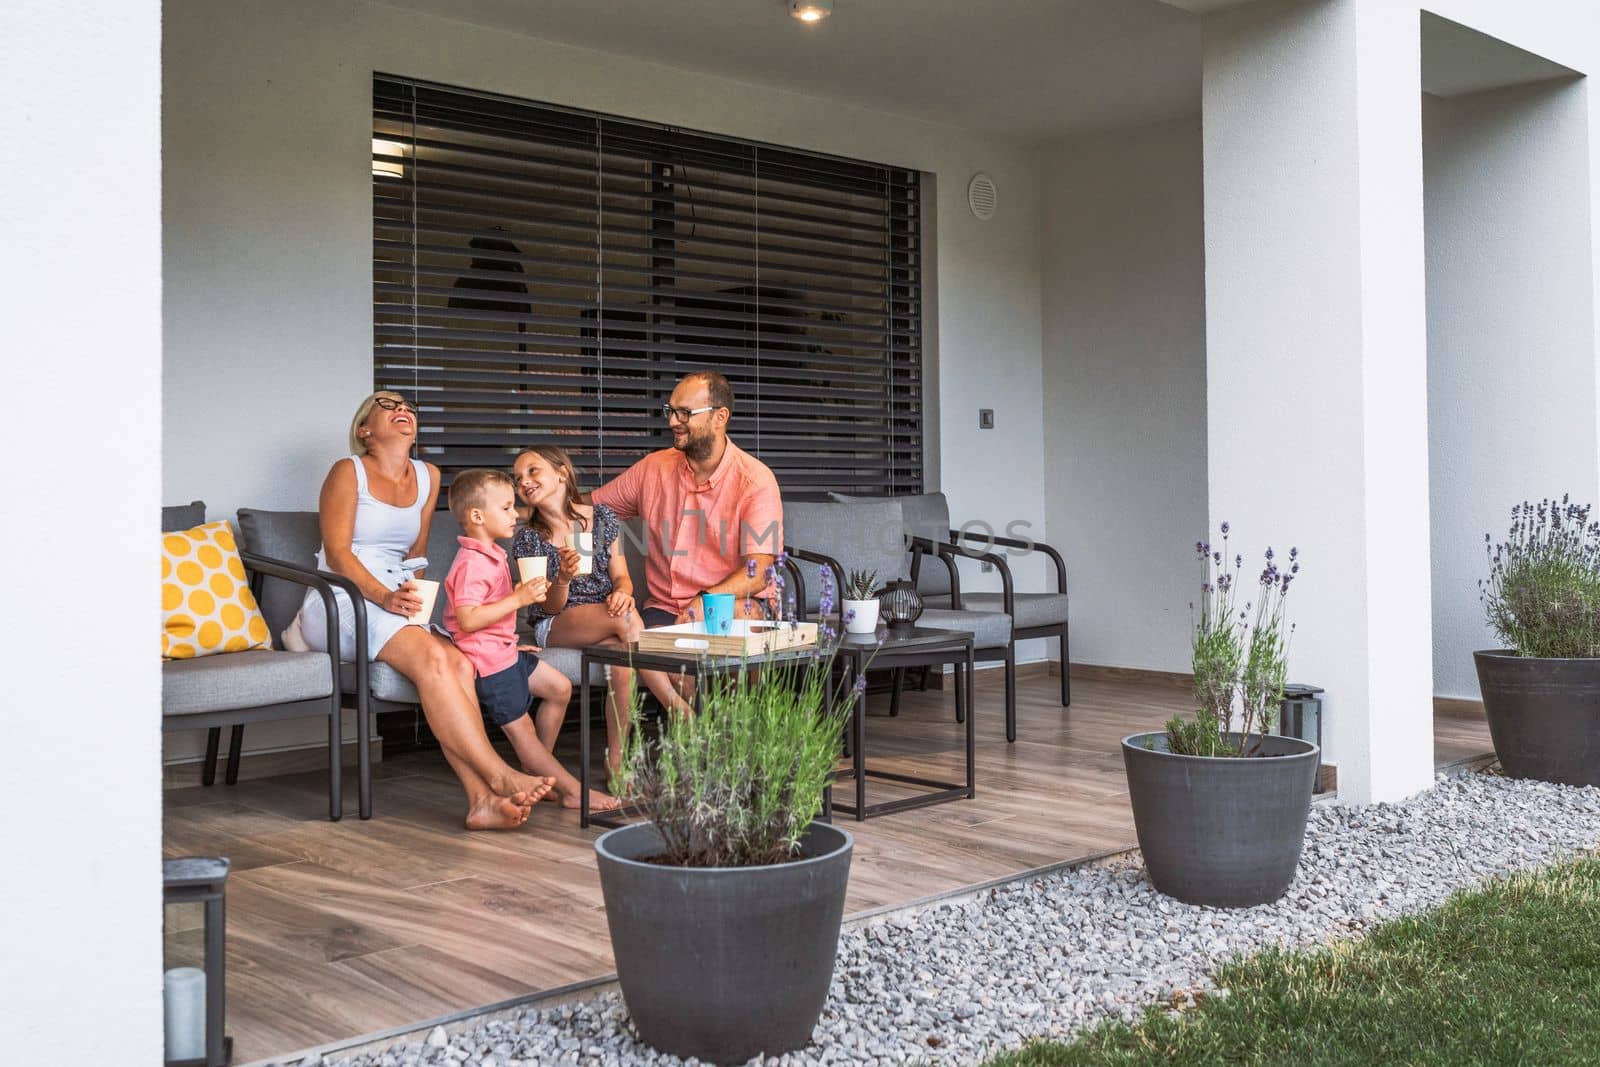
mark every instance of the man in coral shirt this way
{"type": "Point", "coordinates": [712, 510]}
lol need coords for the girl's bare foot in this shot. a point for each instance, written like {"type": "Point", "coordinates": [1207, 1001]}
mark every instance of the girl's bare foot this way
{"type": "Point", "coordinates": [499, 813]}
{"type": "Point", "coordinates": [598, 801]}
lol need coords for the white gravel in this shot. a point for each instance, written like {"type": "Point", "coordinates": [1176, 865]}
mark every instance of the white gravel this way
{"type": "Point", "coordinates": [1046, 956]}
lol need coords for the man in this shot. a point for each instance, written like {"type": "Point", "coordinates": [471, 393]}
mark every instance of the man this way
{"type": "Point", "coordinates": [712, 510]}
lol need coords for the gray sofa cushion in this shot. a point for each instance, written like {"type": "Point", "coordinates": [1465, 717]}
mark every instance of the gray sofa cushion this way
{"type": "Point", "coordinates": [390, 685]}
{"type": "Point", "coordinates": [386, 683]}
{"type": "Point", "coordinates": [925, 515]}
{"type": "Point", "coordinates": [242, 680]}
{"type": "Point", "coordinates": [862, 535]}
{"type": "Point", "coordinates": [292, 536]}
{"type": "Point", "coordinates": [183, 516]}
{"type": "Point", "coordinates": [566, 660]}
{"type": "Point", "coordinates": [1033, 609]}
{"type": "Point", "coordinates": [989, 629]}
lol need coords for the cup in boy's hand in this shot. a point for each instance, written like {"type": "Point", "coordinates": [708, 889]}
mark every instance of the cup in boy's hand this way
{"type": "Point", "coordinates": [533, 591]}
{"type": "Point", "coordinates": [582, 542]}
{"type": "Point", "coordinates": [531, 567]}
{"type": "Point", "coordinates": [429, 592]}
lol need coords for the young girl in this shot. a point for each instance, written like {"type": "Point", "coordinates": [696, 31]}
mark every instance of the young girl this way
{"type": "Point", "coordinates": [582, 609]}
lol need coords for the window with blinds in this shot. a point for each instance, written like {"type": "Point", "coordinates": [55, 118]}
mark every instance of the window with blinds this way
{"type": "Point", "coordinates": [545, 276]}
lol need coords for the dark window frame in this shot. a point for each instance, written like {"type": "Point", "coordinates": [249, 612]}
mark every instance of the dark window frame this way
{"type": "Point", "coordinates": [544, 275]}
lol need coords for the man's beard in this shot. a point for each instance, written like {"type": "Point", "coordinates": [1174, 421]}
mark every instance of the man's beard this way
{"type": "Point", "coordinates": [697, 447]}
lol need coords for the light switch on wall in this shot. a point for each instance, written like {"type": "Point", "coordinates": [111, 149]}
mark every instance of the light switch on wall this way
{"type": "Point", "coordinates": [986, 418]}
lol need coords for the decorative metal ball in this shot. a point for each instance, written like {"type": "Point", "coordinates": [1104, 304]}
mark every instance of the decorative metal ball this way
{"type": "Point", "coordinates": [900, 605]}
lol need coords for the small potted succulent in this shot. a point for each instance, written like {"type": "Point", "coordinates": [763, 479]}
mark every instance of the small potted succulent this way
{"type": "Point", "coordinates": [1221, 812]}
{"type": "Point", "coordinates": [1541, 692]}
{"type": "Point", "coordinates": [860, 602]}
{"type": "Point", "coordinates": [724, 908]}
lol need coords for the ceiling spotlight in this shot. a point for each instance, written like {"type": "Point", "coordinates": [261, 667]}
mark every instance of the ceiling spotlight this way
{"type": "Point", "coordinates": [810, 10]}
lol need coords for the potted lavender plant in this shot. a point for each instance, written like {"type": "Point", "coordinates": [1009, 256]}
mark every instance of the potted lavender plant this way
{"type": "Point", "coordinates": [724, 907]}
{"type": "Point", "coordinates": [1221, 812]}
{"type": "Point", "coordinates": [1541, 693]}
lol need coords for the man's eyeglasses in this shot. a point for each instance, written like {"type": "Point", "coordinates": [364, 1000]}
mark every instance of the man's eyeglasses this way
{"type": "Point", "coordinates": [684, 414]}
{"type": "Point", "coordinates": [389, 403]}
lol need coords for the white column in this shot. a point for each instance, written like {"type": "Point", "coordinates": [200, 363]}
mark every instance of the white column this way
{"type": "Point", "coordinates": [80, 297]}
{"type": "Point", "coordinates": [1317, 354]}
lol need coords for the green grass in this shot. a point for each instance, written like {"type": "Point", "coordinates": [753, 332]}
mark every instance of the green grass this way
{"type": "Point", "coordinates": [1507, 974]}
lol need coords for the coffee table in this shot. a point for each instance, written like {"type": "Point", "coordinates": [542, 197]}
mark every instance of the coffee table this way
{"type": "Point", "coordinates": [887, 650]}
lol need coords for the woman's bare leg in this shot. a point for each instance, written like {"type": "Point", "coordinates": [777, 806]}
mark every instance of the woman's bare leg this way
{"type": "Point", "coordinates": [498, 796]}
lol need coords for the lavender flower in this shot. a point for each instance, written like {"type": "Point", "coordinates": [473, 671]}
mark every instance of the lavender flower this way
{"type": "Point", "coordinates": [750, 568]}
{"type": "Point", "coordinates": [849, 616]}
{"type": "Point", "coordinates": [861, 683]}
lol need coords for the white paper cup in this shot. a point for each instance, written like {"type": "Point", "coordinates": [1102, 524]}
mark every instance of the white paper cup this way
{"type": "Point", "coordinates": [531, 567]}
{"type": "Point", "coordinates": [429, 592]}
{"type": "Point", "coordinates": [583, 542]}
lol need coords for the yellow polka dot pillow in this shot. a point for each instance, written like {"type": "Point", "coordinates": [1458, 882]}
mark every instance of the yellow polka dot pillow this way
{"type": "Point", "coordinates": [206, 604]}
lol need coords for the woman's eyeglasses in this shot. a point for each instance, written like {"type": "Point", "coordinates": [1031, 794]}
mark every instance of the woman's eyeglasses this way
{"type": "Point", "coordinates": [684, 414]}
{"type": "Point", "coordinates": [389, 403]}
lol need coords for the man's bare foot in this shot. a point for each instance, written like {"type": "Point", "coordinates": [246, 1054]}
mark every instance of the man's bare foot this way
{"type": "Point", "coordinates": [598, 801]}
{"type": "Point", "coordinates": [499, 813]}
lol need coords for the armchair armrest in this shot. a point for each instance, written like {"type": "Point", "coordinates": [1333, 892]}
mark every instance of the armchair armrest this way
{"type": "Point", "coordinates": [268, 567]}
{"type": "Point", "coordinates": [820, 560]}
{"type": "Point", "coordinates": [358, 604]}
{"type": "Point", "coordinates": [797, 583]}
{"type": "Point", "coordinates": [952, 552]}
{"type": "Point", "coordinates": [1015, 542]}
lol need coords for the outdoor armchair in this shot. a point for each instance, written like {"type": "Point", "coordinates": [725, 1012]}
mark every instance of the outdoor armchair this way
{"type": "Point", "coordinates": [871, 534]}
{"type": "Point", "coordinates": [1033, 614]}
{"type": "Point", "coordinates": [259, 685]}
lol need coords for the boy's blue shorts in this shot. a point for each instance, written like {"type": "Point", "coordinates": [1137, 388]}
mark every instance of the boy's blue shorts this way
{"type": "Point", "coordinates": [504, 695]}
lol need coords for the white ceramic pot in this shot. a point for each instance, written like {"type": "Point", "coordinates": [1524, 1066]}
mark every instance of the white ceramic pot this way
{"type": "Point", "coordinates": [865, 617]}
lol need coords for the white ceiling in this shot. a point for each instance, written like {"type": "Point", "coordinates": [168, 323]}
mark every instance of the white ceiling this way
{"type": "Point", "coordinates": [1024, 70]}
{"type": "Point", "coordinates": [1458, 60]}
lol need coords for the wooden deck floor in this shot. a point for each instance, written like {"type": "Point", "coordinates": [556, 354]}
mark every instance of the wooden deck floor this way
{"type": "Point", "coordinates": [341, 929]}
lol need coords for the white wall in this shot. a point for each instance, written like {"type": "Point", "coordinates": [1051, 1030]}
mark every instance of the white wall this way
{"type": "Point", "coordinates": [1123, 278]}
{"type": "Point", "coordinates": [80, 902]}
{"type": "Point", "coordinates": [1316, 353]}
{"type": "Point", "coordinates": [266, 133]}
{"type": "Point", "coordinates": [1511, 357]}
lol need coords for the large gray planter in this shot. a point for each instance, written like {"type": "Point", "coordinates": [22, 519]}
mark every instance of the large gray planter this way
{"type": "Point", "coordinates": [1221, 831]}
{"type": "Point", "coordinates": [1544, 715]}
{"type": "Point", "coordinates": [722, 963]}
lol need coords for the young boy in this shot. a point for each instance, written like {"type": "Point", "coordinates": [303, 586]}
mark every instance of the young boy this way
{"type": "Point", "coordinates": [481, 614]}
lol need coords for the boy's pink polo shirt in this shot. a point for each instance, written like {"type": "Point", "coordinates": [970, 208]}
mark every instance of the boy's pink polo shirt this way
{"type": "Point", "coordinates": [480, 576]}
{"type": "Point", "coordinates": [699, 531]}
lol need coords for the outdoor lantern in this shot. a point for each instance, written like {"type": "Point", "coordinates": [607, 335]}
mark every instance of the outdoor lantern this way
{"type": "Point", "coordinates": [192, 996]}
{"type": "Point", "coordinates": [900, 605]}
{"type": "Point", "coordinates": [1300, 715]}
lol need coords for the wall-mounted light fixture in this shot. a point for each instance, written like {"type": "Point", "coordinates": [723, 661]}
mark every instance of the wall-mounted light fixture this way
{"type": "Point", "coordinates": [388, 168]}
{"type": "Point", "coordinates": [810, 10]}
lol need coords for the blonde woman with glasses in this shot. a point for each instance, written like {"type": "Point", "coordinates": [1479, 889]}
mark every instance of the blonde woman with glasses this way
{"type": "Point", "coordinates": [375, 509]}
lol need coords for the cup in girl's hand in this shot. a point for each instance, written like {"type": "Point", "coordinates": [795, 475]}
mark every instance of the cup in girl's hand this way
{"type": "Point", "coordinates": [583, 543]}
{"type": "Point", "coordinates": [531, 567]}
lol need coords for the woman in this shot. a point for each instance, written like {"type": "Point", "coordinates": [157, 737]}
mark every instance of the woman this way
{"type": "Point", "coordinates": [375, 509]}
{"type": "Point", "coordinates": [582, 609]}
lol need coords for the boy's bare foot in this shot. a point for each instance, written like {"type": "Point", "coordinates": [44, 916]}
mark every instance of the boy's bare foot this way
{"type": "Point", "coordinates": [598, 801]}
{"type": "Point", "coordinates": [515, 783]}
{"type": "Point", "coordinates": [499, 813]}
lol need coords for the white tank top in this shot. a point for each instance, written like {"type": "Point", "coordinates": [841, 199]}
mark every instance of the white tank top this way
{"type": "Point", "coordinates": [384, 533]}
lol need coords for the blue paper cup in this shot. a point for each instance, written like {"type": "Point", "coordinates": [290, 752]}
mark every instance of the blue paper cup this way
{"type": "Point", "coordinates": [719, 612]}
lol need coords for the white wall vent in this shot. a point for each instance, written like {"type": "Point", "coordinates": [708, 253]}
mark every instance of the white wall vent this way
{"type": "Point", "coordinates": [981, 196]}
